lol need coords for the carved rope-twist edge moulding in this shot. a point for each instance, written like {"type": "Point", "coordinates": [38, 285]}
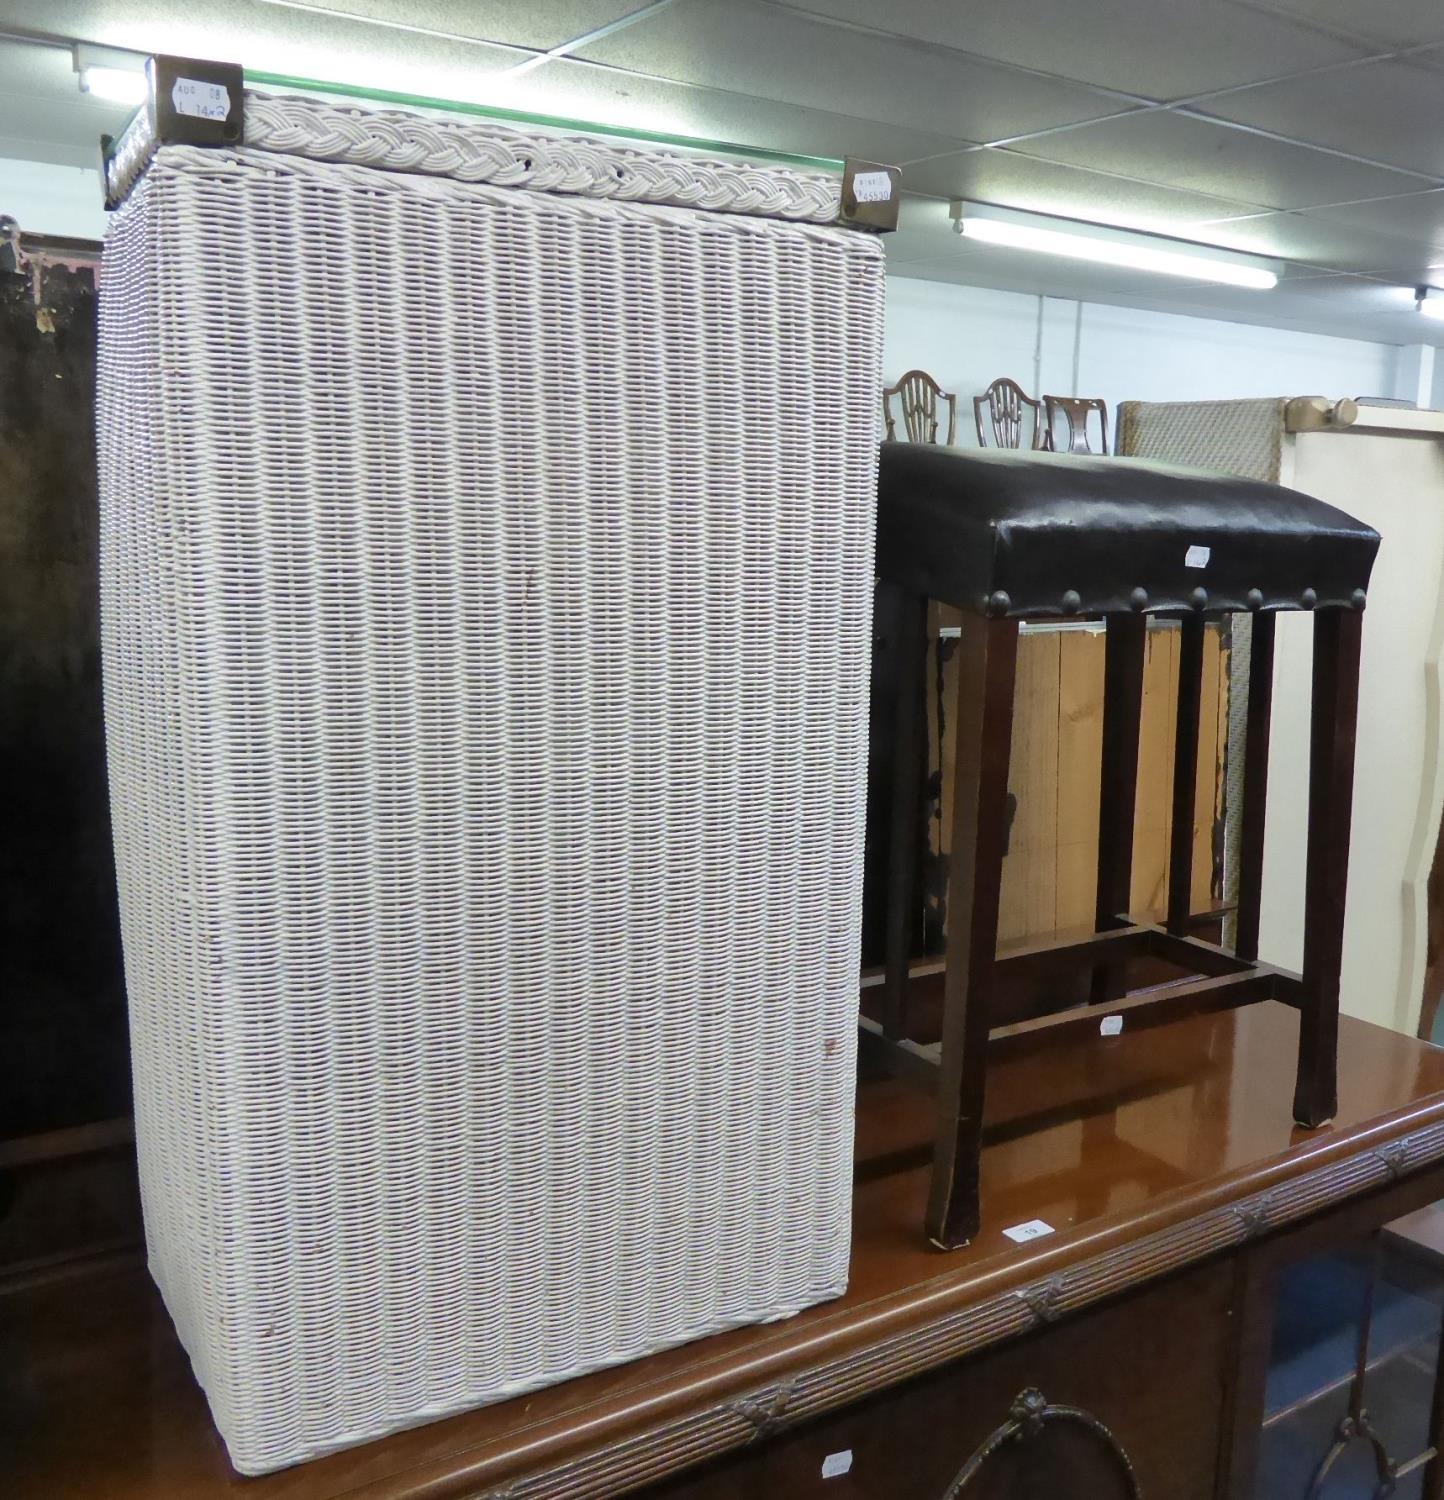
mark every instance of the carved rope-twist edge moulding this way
{"type": "Point", "coordinates": [727, 1426]}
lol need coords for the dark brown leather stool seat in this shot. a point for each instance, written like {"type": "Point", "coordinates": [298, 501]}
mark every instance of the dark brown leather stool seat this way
{"type": "Point", "coordinates": [1010, 536]}
{"type": "Point", "coordinates": [1047, 534]}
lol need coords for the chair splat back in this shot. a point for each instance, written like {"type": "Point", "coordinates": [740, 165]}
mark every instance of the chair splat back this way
{"type": "Point", "coordinates": [1075, 412]}
{"type": "Point", "coordinates": [918, 395]}
{"type": "Point", "coordinates": [1006, 402]}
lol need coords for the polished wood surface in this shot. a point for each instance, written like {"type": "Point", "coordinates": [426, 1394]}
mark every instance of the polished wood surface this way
{"type": "Point", "coordinates": [1209, 977]}
{"type": "Point", "coordinates": [1146, 1153]}
{"type": "Point", "coordinates": [937, 1438]}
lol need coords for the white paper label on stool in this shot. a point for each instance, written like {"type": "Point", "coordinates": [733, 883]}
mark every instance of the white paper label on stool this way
{"type": "Point", "coordinates": [1196, 557]}
{"type": "Point", "coordinates": [872, 187]}
{"type": "Point", "coordinates": [206, 101]}
{"type": "Point", "coordinates": [836, 1464]}
{"type": "Point", "coordinates": [1110, 1026]}
{"type": "Point", "coordinates": [1034, 1229]}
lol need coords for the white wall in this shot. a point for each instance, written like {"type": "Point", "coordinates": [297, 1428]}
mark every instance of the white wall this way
{"type": "Point", "coordinates": [967, 336]}
{"type": "Point", "coordinates": [46, 199]}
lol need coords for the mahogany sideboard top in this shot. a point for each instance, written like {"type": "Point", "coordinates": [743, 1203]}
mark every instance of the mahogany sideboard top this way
{"type": "Point", "coordinates": [1145, 1153]}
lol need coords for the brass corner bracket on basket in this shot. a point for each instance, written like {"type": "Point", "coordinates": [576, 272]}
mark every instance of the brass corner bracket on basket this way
{"type": "Point", "coordinates": [189, 101]}
{"type": "Point", "coordinates": [870, 195]}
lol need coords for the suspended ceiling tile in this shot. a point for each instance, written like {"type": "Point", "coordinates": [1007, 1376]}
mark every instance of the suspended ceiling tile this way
{"type": "Point", "coordinates": [1201, 156]}
{"type": "Point", "coordinates": [1171, 49]}
{"type": "Point", "coordinates": [1397, 23]}
{"type": "Point", "coordinates": [55, 153]}
{"type": "Point", "coordinates": [522, 23]}
{"type": "Point", "coordinates": [43, 114]}
{"type": "Point", "coordinates": [150, 24]}
{"type": "Point", "coordinates": [925, 231]}
{"type": "Point", "coordinates": [778, 55]}
{"type": "Point", "coordinates": [1311, 240]}
{"type": "Point", "coordinates": [615, 98]}
{"type": "Point", "coordinates": [1416, 218]}
{"type": "Point", "coordinates": [278, 39]}
{"type": "Point", "coordinates": [1386, 111]}
{"type": "Point", "coordinates": [71, 129]}
{"type": "Point", "coordinates": [1019, 181]}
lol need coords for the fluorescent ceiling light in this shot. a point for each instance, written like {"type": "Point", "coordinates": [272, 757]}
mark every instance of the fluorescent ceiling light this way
{"type": "Point", "coordinates": [116, 85]}
{"type": "Point", "coordinates": [1107, 246]}
{"type": "Point", "coordinates": [1430, 301]}
{"type": "Point", "coordinates": [110, 74]}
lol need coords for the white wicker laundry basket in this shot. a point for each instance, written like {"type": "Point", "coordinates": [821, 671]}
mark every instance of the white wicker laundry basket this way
{"type": "Point", "coordinates": [487, 542]}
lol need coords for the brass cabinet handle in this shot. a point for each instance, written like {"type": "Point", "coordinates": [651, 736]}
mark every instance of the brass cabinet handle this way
{"type": "Point", "coordinates": [1029, 1414]}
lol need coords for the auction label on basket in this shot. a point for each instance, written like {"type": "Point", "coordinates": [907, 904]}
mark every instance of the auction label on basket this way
{"type": "Point", "coordinates": [872, 187]}
{"type": "Point", "coordinates": [205, 101]}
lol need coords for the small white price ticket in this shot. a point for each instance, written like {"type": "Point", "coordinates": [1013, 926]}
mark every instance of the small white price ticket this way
{"type": "Point", "coordinates": [837, 1464]}
{"type": "Point", "coordinates": [1034, 1229]}
{"type": "Point", "coordinates": [203, 101]}
{"type": "Point", "coordinates": [872, 187]}
{"type": "Point", "coordinates": [1197, 557]}
{"type": "Point", "coordinates": [1110, 1026]}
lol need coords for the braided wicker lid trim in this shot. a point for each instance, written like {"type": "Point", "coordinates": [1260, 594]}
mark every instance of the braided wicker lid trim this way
{"type": "Point", "coordinates": [476, 151]}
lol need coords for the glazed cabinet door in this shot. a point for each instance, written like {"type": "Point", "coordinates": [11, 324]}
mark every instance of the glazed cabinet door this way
{"type": "Point", "coordinates": [1114, 1404]}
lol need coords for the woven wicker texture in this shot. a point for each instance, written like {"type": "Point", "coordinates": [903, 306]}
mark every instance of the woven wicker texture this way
{"type": "Point", "coordinates": [486, 615]}
{"type": "Point", "coordinates": [506, 156]}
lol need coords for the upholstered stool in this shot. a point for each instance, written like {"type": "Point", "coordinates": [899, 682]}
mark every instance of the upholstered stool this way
{"type": "Point", "coordinates": [1028, 536]}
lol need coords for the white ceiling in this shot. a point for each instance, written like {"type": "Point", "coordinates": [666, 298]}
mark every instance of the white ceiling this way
{"type": "Point", "coordinates": [1307, 130]}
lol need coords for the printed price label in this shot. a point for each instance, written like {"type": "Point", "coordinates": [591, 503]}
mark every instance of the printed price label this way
{"type": "Point", "coordinates": [1034, 1229]}
{"type": "Point", "coordinates": [837, 1464]}
{"type": "Point", "coordinates": [1110, 1026]}
{"type": "Point", "coordinates": [872, 187]}
{"type": "Point", "coordinates": [204, 101]}
{"type": "Point", "coordinates": [1197, 557]}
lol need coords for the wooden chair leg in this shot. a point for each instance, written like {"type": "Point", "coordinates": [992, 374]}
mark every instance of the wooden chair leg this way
{"type": "Point", "coordinates": [988, 655]}
{"type": "Point", "coordinates": [1185, 775]}
{"type": "Point", "coordinates": [1118, 783]}
{"type": "Point", "coordinates": [909, 774]}
{"type": "Point", "coordinates": [1255, 786]}
{"type": "Point", "coordinates": [1337, 635]}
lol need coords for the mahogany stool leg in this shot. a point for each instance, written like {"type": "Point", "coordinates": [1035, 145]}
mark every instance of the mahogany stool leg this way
{"type": "Point", "coordinates": [1255, 786]}
{"type": "Point", "coordinates": [1185, 775]}
{"type": "Point", "coordinates": [988, 656]}
{"type": "Point", "coordinates": [1118, 782]}
{"type": "Point", "coordinates": [1331, 789]}
{"type": "Point", "coordinates": [909, 772]}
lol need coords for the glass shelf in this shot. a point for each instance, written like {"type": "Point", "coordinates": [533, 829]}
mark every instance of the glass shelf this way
{"type": "Point", "coordinates": [289, 83]}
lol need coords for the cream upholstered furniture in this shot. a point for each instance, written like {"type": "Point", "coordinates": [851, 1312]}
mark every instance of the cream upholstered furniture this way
{"type": "Point", "coordinates": [487, 596]}
{"type": "Point", "coordinates": [1386, 466]}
